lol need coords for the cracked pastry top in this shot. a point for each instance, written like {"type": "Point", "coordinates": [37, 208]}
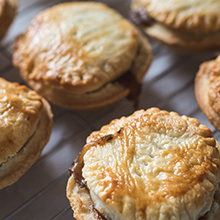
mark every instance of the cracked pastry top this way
{"type": "Point", "coordinates": [189, 26]}
{"type": "Point", "coordinates": [207, 90]}
{"type": "Point", "coordinates": [7, 13]}
{"type": "Point", "coordinates": [76, 54]}
{"type": "Point", "coordinates": [25, 127]}
{"type": "Point", "coordinates": [150, 165]}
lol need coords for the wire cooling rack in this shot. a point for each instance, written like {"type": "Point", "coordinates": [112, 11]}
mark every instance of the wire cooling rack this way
{"type": "Point", "coordinates": [169, 85]}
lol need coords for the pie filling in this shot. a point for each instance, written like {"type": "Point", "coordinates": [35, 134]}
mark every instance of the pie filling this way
{"type": "Point", "coordinates": [129, 81]}
{"type": "Point", "coordinates": [140, 17]}
{"type": "Point", "coordinates": [76, 169]}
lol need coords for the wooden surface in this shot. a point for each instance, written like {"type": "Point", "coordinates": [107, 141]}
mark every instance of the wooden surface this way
{"type": "Point", "coordinates": [40, 193]}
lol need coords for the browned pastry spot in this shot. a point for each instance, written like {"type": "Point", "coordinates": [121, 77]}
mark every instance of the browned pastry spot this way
{"type": "Point", "coordinates": [141, 18]}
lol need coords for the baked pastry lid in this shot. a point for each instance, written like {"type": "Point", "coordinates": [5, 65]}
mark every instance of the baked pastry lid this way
{"type": "Point", "coordinates": [194, 16]}
{"type": "Point", "coordinates": [87, 47]}
{"type": "Point", "coordinates": [20, 112]}
{"type": "Point", "coordinates": [191, 129]}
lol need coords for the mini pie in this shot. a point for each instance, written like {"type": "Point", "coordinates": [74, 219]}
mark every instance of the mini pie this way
{"type": "Point", "coordinates": [189, 25]}
{"type": "Point", "coordinates": [7, 13]}
{"type": "Point", "coordinates": [207, 90]}
{"type": "Point", "coordinates": [82, 55]}
{"type": "Point", "coordinates": [150, 165]}
{"type": "Point", "coordinates": [25, 128]}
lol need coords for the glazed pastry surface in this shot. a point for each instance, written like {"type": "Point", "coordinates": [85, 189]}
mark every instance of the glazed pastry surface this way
{"type": "Point", "coordinates": [150, 165]}
{"type": "Point", "coordinates": [74, 54]}
{"type": "Point", "coordinates": [25, 127]}
{"type": "Point", "coordinates": [79, 47]}
{"type": "Point", "coordinates": [20, 110]}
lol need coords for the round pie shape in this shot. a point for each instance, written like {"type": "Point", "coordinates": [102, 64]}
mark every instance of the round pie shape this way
{"type": "Point", "coordinates": [25, 127]}
{"type": "Point", "coordinates": [150, 165]}
{"type": "Point", "coordinates": [76, 54]}
{"type": "Point", "coordinates": [7, 13]}
{"type": "Point", "coordinates": [188, 26]}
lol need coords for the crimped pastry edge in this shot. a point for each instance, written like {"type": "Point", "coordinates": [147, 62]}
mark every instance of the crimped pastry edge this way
{"type": "Point", "coordinates": [201, 92]}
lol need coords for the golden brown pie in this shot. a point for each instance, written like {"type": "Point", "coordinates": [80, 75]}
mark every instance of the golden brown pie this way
{"type": "Point", "coordinates": [7, 13]}
{"type": "Point", "coordinates": [207, 90]}
{"type": "Point", "coordinates": [82, 55]}
{"type": "Point", "coordinates": [189, 26]}
{"type": "Point", "coordinates": [25, 128]}
{"type": "Point", "coordinates": [151, 165]}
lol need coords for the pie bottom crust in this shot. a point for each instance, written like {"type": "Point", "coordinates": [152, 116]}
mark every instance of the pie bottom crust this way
{"type": "Point", "coordinates": [182, 41]}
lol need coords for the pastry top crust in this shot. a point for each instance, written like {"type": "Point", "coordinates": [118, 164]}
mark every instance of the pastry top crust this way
{"type": "Point", "coordinates": [152, 164]}
{"type": "Point", "coordinates": [214, 86]}
{"type": "Point", "coordinates": [194, 15]}
{"type": "Point", "coordinates": [77, 46]}
{"type": "Point", "coordinates": [20, 111]}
